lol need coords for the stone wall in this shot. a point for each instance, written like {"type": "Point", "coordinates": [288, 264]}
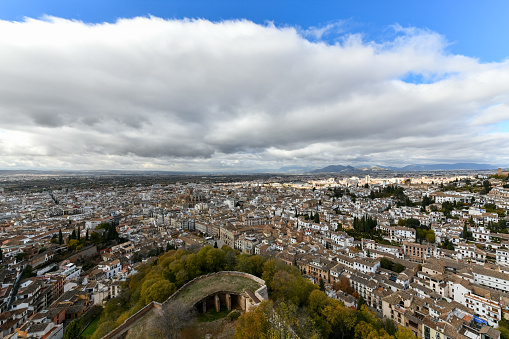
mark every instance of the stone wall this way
{"type": "Point", "coordinates": [121, 330]}
{"type": "Point", "coordinates": [235, 273]}
{"type": "Point", "coordinates": [126, 325]}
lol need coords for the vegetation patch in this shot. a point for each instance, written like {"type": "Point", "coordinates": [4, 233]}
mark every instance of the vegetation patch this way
{"type": "Point", "coordinates": [212, 315]}
{"type": "Point", "coordinates": [87, 333]}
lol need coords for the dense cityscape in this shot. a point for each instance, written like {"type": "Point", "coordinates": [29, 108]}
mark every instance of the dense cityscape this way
{"type": "Point", "coordinates": [430, 251]}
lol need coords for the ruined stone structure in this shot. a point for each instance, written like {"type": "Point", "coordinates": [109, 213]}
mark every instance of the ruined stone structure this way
{"type": "Point", "coordinates": [233, 290]}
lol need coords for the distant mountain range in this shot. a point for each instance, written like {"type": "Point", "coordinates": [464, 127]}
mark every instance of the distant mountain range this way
{"type": "Point", "coordinates": [283, 170]}
{"type": "Point", "coordinates": [426, 167]}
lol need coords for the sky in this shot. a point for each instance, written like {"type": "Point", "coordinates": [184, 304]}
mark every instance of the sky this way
{"type": "Point", "coordinates": [244, 85]}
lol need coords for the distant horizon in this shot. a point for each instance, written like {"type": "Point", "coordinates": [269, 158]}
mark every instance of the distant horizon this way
{"type": "Point", "coordinates": [288, 169]}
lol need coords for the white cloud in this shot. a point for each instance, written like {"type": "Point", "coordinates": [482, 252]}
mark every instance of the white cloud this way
{"type": "Point", "coordinates": [192, 94]}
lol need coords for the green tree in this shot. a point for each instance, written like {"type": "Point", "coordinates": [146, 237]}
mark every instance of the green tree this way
{"type": "Point", "coordinates": [448, 245]}
{"type": "Point", "coordinates": [413, 223]}
{"type": "Point", "coordinates": [360, 302]}
{"type": "Point", "coordinates": [230, 260]}
{"type": "Point", "coordinates": [386, 263]}
{"type": "Point", "coordinates": [157, 290]}
{"type": "Point", "coordinates": [322, 285]}
{"type": "Point", "coordinates": [72, 244]}
{"type": "Point", "coordinates": [96, 238]}
{"type": "Point", "coordinates": [21, 256]}
{"type": "Point", "coordinates": [60, 237]}
{"type": "Point", "coordinates": [486, 187]}
{"type": "Point", "coordinates": [430, 237]}
{"type": "Point", "coordinates": [73, 330]}
{"type": "Point", "coordinates": [398, 268]}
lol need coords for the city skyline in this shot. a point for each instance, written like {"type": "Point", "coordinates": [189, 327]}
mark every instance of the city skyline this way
{"type": "Point", "coordinates": [181, 88]}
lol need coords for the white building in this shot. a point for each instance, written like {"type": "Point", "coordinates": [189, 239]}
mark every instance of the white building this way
{"type": "Point", "coordinates": [503, 257]}
{"type": "Point", "coordinates": [494, 279]}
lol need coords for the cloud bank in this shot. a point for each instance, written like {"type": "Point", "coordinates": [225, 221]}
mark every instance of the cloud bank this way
{"type": "Point", "coordinates": [149, 93]}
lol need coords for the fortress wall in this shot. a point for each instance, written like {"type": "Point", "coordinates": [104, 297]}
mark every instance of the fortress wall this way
{"type": "Point", "coordinates": [126, 325]}
{"type": "Point", "coordinates": [118, 332]}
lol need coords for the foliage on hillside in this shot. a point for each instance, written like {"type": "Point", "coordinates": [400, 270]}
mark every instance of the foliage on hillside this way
{"type": "Point", "coordinates": [159, 280]}
{"type": "Point", "coordinates": [297, 304]}
{"type": "Point", "coordinates": [299, 308]}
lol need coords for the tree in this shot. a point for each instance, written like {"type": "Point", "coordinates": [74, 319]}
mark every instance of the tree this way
{"type": "Point", "coordinates": [486, 187]}
{"type": "Point", "coordinates": [251, 325]}
{"type": "Point", "coordinates": [21, 256]}
{"type": "Point", "coordinates": [386, 263]}
{"type": "Point", "coordinates": [86, 236]}
{"type": "Point", "coordinates": [215, 244]}
{"type": "Point", "coordinates": [230, 260]}
{"type": "Point", "coordinates": [95, 238]}
{"type": "Point", "coordinates": [430, 236]}
{"type": "Point", "coordinates": [390, 326]}
{"type": "Point", "coordinates": [73, 330]}
{"type": "Point", "coordinates": [466, 234]}
{"type": "Point", "coordinates": [360, 302]}
{"type": "Point", "coordinates": [79, 234]}
{"type": "Point", "coordinates": [73, 235]}
{"type": "Point", "coordinates": [343, 285]}
{"type": "Point", "coordinates": [322, 285]}
{"type": "Point", "coordinates": [157, 290]}
{"type": "Point", "coordinates": [73, 243]}
{"type": "Point", "coordinates": [398, 268]}
{"type": "Point", "coordinates": [413, 223]}
{"type": "Point", "coordinates": [1, 254]}
{"type": "Point", "coordinates": [60, 237]}
{"type": "Point", "coordinates": [448, 245]}
{"type": "Point", "coordinates": [28, 272]}
{"type": "Point", "coordinates": [404, 333]}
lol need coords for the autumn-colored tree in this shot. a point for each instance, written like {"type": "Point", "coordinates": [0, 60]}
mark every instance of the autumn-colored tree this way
{"type": "Point", "coordinates": [364, 330]}
{"type": "Point", "coordinates": [343, 284]}
{"type": "Point", "coordinates": [404, 333]}
{"type": "Point", "coordinates": [254, 324]}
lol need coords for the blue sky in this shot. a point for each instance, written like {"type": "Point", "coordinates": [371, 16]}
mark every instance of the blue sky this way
{"type": "Point", "coordinates": [478, 29]}
{"type": "Point", "coordinates": [242, 85]}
